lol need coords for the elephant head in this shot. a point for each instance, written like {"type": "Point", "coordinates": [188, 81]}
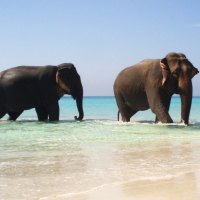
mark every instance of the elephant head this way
{"type": "Point", "coordinates": [178, 69]}
{"type": "Point", "coordinates": [70, 83]}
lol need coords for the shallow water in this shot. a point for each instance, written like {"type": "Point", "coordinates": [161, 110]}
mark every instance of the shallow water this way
{"type": "Point", "coordinates": [99, 156]}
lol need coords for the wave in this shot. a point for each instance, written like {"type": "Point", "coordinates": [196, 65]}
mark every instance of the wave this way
{"type": "Point", "coordinates": [106, 122]}
{"type": "Point", "coordinates": [141, 122]}
{"type": "Point", "coordinates": [117, 186]}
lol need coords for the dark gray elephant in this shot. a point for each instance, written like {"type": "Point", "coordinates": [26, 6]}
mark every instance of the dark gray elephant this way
{"type": "Point", "coordinates": [27, 87]}
{"type": "Point", "coordinates": [151, 84]}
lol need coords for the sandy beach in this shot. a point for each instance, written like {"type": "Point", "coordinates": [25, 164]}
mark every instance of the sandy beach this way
{"type": "Point", "coordinates": [183, 187]}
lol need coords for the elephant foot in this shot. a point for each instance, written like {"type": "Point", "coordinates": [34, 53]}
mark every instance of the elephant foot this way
{"type": "Point", "coordinates": [167, 121]}
{"type": "Point", "coordinates": [125, 119]}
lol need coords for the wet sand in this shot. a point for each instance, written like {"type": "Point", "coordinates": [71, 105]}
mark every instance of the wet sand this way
{"type": "Point", "coordinates": [183, 187]}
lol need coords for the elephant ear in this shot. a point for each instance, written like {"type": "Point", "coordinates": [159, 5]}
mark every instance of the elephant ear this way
{"type": "Point", "coordinates": [194, 72]}
{"type": "Point", "coordinates": [63, 86]}
{"type": "Point", "coordinates": [65, 75]}
{"type": "Point", "coordinates": [165, 70]}
{"type": "Point", "coordinates": [69, 78]}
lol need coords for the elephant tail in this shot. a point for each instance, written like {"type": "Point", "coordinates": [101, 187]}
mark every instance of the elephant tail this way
{"type": "Point", "coordinates": [118, 115]}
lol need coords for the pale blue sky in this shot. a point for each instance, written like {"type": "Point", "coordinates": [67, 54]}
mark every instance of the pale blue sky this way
{"type": "Point", "coordinates": [100, 37]}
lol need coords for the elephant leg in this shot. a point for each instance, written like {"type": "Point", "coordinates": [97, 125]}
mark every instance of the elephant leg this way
{"type": "Point", "coordinates": [41, 113]}
{"type": "Point", "coordinates": [166, 103]}
{"type": "Point", "coordinates": [157, 103]}
{"type": "Point", "coordinates": [14, 115]}
{"type": "Point", "coordinates": [126, 112]}
{"type": "Point", "coordinates": [53, 111]}
{"type": "Point", "coordinates": [156, 120]}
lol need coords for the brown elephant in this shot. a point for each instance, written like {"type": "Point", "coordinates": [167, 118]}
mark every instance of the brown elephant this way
{"type": "Point", "coordinates": [151, 84]}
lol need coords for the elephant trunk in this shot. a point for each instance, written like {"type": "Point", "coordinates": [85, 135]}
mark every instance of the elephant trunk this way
{"type": "Point", "coordinates": [79, 103]}
{"type": "Point", "coordinates": [186, 100]}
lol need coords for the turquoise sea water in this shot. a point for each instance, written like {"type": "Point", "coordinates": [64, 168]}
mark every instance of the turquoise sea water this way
{"type": "Point", "coordinates": [55, 160]}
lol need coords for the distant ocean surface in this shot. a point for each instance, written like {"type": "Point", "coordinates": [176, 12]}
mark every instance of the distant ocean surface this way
{"type": "Point", "coordinates": [66, 159]}
{"type": "Point", "coordinates": [105, 108]}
